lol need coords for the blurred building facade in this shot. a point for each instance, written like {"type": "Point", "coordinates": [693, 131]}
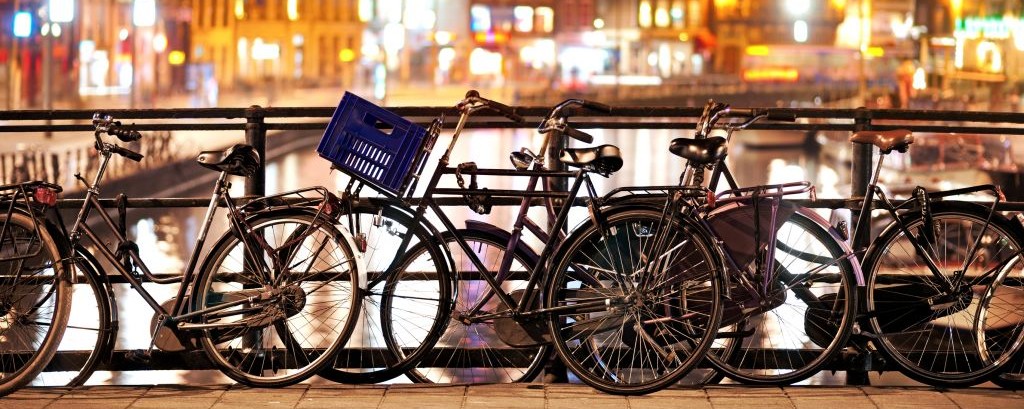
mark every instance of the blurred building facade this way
{"type": "Point", "coordinates": [145, 48]}
{"type": "Point", "coordinates": [249, 43]}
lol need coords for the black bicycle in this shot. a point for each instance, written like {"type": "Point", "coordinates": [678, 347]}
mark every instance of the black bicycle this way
{"type": "Point", "coordinates": [619, 331]}
{"type": "Point", "coordinates": [270, 304]}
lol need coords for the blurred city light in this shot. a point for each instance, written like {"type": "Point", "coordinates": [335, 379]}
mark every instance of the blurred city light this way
{"type": "Point", "coordinates": [61, 11]}
{"type": "Point", "coordinates": [800, 31]}
{"type": "Point", "coordinates": [176, 57]}
{"type": "Point", "coordinates": [798, 8]}
{"type": "Point", "coordinates": [22, 24]}
{"type": "Point", "coordinates": [144, 13]}
{"type": "Point", "coordinates": [159, 42]}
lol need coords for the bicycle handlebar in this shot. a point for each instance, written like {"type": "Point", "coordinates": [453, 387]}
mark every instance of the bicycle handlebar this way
{"type": "Point", "coordinates": [578, 134]}
{"type": "Point", "coordinates": [556, 120]}
{"type": "Point", "coordinates": [474, 101]}
{"type": "Point", "coordinates": [106, 124]}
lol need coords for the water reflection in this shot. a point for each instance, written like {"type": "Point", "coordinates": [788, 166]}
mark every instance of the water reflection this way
{"type": "Point", "coordinates": [166, 237]}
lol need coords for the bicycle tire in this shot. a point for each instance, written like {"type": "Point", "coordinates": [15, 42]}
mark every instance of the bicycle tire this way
{"type": "Point", "coordinates": [933, 338]}
{"type": "Point", "coordinates": [1011, 376]}
{"type": "Point", "coordinates": [663, 320]}
{"type": "Point", "coordinates": [292, 337]}
{"type": "Point", "coordinates": [367, 357]}
{"type": "Point", "coordinates": [90, 334]}
{"type": "Point", "coordinates": [34, 309]}
{"type": "Point", "coordinates": [473, 352]}
{"type": "Point", "coordinates": [810, 315]}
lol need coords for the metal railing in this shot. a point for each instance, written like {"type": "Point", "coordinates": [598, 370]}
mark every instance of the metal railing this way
{"type": "Point", "coordinates": [256, 122]}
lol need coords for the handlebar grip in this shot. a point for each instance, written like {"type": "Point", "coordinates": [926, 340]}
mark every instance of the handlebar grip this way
{"type": "Point", "coordinates": [505, 110]}
{"type": "Point", "coordinates": [579, 135]}
{"type": "Point", "coordinates": [774, 115]}
{"type": "Point", "coordinates": [127, 153]}
{"type": "Point", "coordinates": [125, 134]}
{"type": "Point", "coordinates": [596, 106]}
{"type": "Point", "coordinates": [743, 112]}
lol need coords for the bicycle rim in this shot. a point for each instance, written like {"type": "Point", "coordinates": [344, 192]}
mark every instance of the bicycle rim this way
{"type": "Point", "coordinates": [633, 321]}
{"type": "Point", "coordinates": [809, 314]}
{"type": "Point", "coordinates": [939, 337]}
{"type": "Point", "coordinates": [473, 351]}
{"type": "Point", "coordinates": [35, 300]}
{"type": "Point", "coordinates": [311, 309]}
{"type": "Point", "coordinates": [385, 345]}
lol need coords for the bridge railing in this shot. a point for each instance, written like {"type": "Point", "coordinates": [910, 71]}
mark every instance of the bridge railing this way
{"type": "Point", "coordinates": [46, 127]}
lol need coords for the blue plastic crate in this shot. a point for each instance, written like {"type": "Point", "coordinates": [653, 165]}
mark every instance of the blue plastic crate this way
{"type": "Point", "coordinates": [372, 144]}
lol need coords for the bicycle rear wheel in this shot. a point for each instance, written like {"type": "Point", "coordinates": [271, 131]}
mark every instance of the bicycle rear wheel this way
{"type": "Point", "coordinates": [292, 311]}
{"type": "Point", "coordinates": [472, 351]}
{"type": "Point", "coordinates": [809, 313]}
{"type": "Point", "coordinates": [637, 299]}
{"type": "Point", "coordinates": [35, 299]}
{"type": "Point", "coordinates": [936, 329]}
{"type": "Point", "coordinates": [386, 343]}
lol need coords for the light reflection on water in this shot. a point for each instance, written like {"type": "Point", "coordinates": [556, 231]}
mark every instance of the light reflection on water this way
{"type": "Point", "coordinates": [167, 236]}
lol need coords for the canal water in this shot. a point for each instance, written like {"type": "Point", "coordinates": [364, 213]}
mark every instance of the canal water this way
{"type": "Point", "coordinates": [166, 236]}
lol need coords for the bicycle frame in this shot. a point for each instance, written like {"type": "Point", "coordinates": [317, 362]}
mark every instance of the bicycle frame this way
{"type": "Point", "coordinates": [920, 202]}
{"type": "Point", "coordinates": [523, 306]}
{"type": "Point", "coordinates": [181, 310]}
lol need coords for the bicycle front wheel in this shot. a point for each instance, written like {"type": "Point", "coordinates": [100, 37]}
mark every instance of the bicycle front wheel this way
{"type": "Point", "coordinates": [475, 350]}
{"type": "Point", "coordinates": [291, 285]}
{"type": "Point", "coordinates": [938, 327]}
{"type": "Point", "coordinates": [402, 262]}
{"type": "Point", "coordinates": [806, 317]}
{"type": "Point", "coordinates": [636, 301]}
{"type": "Point", "coordinates": [35, 299]}
{"type": "Point", "coordinates": [90, 335]}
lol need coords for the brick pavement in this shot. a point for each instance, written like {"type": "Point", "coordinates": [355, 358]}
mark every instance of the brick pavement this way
{"type": "Point", "coordinates": [525, 396]}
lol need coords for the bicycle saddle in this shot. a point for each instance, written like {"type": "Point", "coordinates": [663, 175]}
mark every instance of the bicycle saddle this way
{"type": "Point", "coordinates": [604, 159]}
{"type": "Point", "coordinates": [886, 141]}
{"type": "Point", "coordinates": [699, 151]}
{"type": "Point", "coordinates": [238, 160]}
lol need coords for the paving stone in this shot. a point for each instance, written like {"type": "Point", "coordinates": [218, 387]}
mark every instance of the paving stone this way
{"type": "Point", "coordinates": [984, 398]}
{"type": "Point", "coordinates": [97, 403]}
{"type": "Point", "coordinates": [505, 402]}
{"type": "Point", "coordinates": [668, 401]}
{"type": "Point", "coordinates": [185, 392]}
{"type": "Point", "coordinates": [172, 403]}
{"type": "Point", "coordinates": [511, 390]}
{"type": "Point", "coordinates": [424, 401]}
{"type": "Point", "coordinates": [904, 397]}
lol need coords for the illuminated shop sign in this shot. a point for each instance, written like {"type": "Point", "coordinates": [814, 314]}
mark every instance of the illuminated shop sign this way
{"type": "Point", "coordinates": [988, 27]}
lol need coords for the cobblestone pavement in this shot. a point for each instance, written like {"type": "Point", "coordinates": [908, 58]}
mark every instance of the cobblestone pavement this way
{"type": "Point", "coordinates": [526, 396]}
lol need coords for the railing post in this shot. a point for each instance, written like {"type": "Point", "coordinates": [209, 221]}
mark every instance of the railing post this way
{"type": "Point", "coordinates": [557, 184]}
{"type": "Point", "coordinates": [863, 154]}
{"type": "Point", "coordinates": [861, 364]}
{"type": "Point", "coordinates": [256, 135]}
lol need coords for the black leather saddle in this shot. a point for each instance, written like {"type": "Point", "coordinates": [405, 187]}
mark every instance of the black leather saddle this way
{"type": "Point", "coordinates": [238, 160]}
{"type": "Point", "coordinates": [886, 141]}
{"type": "Point", "coordinates": [603, 159]}
{"type": "Point", "coordinates": [699, 151]}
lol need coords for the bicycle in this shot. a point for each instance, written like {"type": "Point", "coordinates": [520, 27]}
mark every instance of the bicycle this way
{"type": "Point", "coordinates": [555, 306]}
{"type": "Point", "coordinates": [937, 304]}
{"type": "Point", "coordinates": [269, 305]}
{"type": "Point", "coordinates": [793, 280]}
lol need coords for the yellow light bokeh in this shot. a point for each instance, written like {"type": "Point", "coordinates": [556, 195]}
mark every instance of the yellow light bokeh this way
{"type": "Point", "coordinates": [757, 50]}
{"type": "Point", "coordinates": [176, 57]}
{"type": "Point", "coordinates": [346, 55]}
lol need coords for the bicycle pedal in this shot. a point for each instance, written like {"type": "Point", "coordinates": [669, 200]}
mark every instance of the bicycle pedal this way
{"type": "Point", "coordinates": [142, 356]}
